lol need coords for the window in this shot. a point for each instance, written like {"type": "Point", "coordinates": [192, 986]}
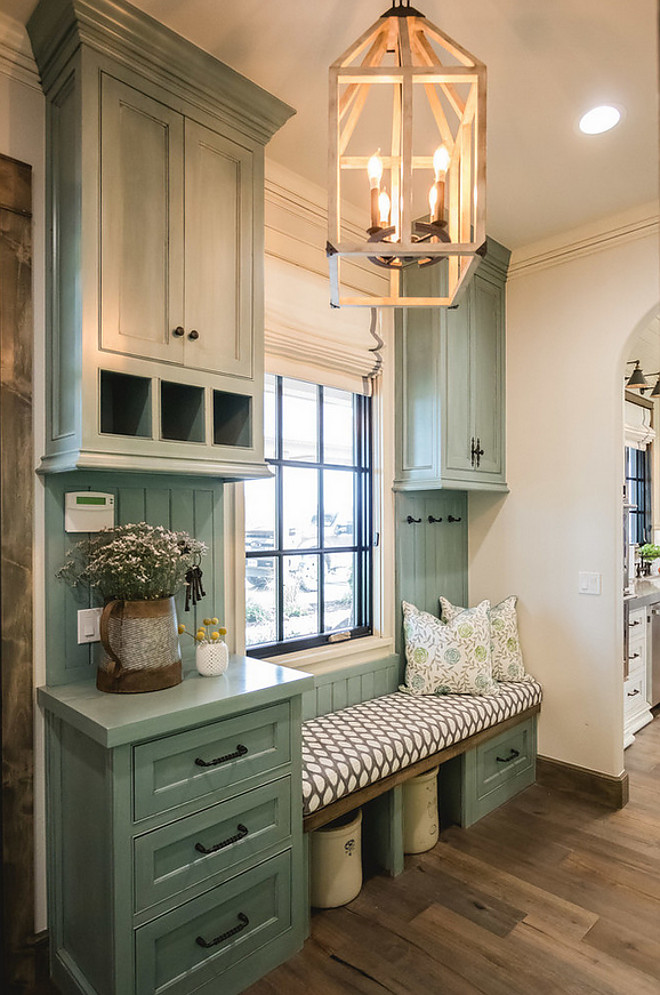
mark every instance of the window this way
{"type": "Point", "coordinates": [308, 568]}
{"type": "Point", "coordinates": [638, 491]}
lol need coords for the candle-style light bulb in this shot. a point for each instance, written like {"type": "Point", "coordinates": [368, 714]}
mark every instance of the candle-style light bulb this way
{"type": "Point", "coordinates": [437, 191]}
{"type": "Point", "coordinates": [433, 200]}
{"type": "Point", "coordinates": [440, 162]}
{"type": "Point", "coordinates": [383, 209]}
{"type": "Point", "coordinates": [374, 172]}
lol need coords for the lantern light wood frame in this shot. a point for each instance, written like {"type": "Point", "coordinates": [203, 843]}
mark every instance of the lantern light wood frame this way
{"type": "Point", "coordinates": [461, 127]}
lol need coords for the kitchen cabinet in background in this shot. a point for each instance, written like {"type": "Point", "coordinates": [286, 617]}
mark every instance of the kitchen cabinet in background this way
{"type": "Point", "coordinates": [156, 200]}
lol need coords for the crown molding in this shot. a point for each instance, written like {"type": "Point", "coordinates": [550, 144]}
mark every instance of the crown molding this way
{"type": "Point", "coordinates": [606, 233]}
{"type": "Point", "coordinates": [16, 59]}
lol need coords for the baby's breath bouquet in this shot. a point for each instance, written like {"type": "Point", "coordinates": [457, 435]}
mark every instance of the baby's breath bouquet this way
{"type": "Point", "coordinates": [133, 562]}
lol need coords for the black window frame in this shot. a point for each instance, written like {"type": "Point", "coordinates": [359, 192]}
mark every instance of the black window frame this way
{"type": "Point", "coordinates": [638, 492]}
{"type": "Point", "coordinates": [362, 547]}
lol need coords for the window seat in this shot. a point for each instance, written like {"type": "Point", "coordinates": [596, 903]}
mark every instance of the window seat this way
{"type": "Point", "coordinates": [358, 753]}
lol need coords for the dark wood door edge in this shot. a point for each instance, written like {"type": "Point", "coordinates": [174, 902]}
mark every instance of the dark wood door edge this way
{"type": "Point", "coordinates": [605, 788]}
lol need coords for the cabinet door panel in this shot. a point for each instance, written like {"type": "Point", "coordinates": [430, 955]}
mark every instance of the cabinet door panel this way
{"type": "Point", "coordinates": [218, 253]}
{"type": "Point", "coordinates": [142, 224]}
{"type": "Point", "coordinates": [457, 378]}
{"type": "Point", "coordinates": [487, 381]}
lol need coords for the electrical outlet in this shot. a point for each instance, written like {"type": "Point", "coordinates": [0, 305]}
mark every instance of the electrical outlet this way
{"type": "Point", "coordinates": [89, 620]}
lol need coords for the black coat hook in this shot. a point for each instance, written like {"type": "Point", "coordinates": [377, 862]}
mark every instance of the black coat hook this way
{"type": "Point", "coordinates": [410, 519]}
{"type": "Point", "coordinates": [450, 518]}
{"type": "Point", "coordinates": [431, 520]}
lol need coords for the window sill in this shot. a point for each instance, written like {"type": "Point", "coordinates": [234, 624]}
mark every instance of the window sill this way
{"type": "Point", "coordinates": [338, 656]}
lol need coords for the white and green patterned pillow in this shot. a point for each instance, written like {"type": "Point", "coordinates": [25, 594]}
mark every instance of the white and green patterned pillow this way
{"type": "Point", "coordinates": [452, 658]}
{"type": "Point", "coordinates": [505, 643]}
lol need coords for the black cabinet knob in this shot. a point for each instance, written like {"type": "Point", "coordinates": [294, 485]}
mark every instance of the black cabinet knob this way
{"type": "Point", "coordinates": [179, 331]}
{"type": "Point", "coordinates": [194, 334]}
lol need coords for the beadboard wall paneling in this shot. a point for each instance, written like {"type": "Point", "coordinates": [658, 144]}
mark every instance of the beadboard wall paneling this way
{"type": "Point", "coordinates": [431, 558]}
{"type": "Point", "coordinates": [190, 504]}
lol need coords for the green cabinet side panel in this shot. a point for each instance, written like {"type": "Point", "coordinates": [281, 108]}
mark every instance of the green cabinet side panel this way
{"type": "Point", "coordinates": [382, 831]}
{"type": "Point", "coordinates": [182, 503]}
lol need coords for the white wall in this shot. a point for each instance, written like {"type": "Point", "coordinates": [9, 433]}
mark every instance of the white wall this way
{"type": "Point", "coordinates": [22, 137]}
{"type": "Point", "coordinates": [571, 306]}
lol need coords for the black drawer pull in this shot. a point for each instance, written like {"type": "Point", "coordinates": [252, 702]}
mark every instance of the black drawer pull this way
{"type": "Point", "coordinates": [240, 752]}
{"type": "Point", "coordinates": [432, 521]}
{"type": "Point", "coordinates": [412, 520]}
{"type": "Point", "coordinates": [241, 831]}
{"type": "Point", "coordinates": [636, 622]}
{"type": "Point", "coordinates": [634, 656]}
{"type": "Point", "coordinates": [631, 694]}
{"type": "Point", "coordinates": [243, 921]}
{"type": "Point", "coordinates": [450, 518]}
{"type": "Point", "coordinates": [507, 760]}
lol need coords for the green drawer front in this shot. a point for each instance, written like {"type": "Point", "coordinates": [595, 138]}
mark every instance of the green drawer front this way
{"type": "Point", "coordinates": [169, 772]}
{"type": "Point", "coordinates": [504, 758]}
{"type": "Point", "coordinates": [169, 958]}
{"type": "Point", "coordinates": [167, 861]}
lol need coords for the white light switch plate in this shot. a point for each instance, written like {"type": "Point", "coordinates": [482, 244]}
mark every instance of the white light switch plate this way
{"type": "Point", "coordinates": [589, 583]}
{"type": "Point", "coordinates": [88, 625]}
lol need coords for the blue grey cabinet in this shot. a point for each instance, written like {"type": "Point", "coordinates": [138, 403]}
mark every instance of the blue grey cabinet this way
{"type": "Point", "coordinates": [450, 384]}
{"type": "Point", "coordinates": [155, 156]}
{"type": "Point", "coordinates": [176, 859]}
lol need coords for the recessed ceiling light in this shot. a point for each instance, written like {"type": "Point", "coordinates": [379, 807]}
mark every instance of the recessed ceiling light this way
{"type": "Point", "coordinates": [599, 119]}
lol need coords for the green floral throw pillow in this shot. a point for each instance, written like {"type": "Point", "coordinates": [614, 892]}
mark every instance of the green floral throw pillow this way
{"type": "Point", "coordinates": [505, 645]}
{"type": "Point", "coordinates": [452, 658]}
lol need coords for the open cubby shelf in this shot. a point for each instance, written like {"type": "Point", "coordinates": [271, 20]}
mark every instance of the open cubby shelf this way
{"type": "Point", "coordinates": [125, 404]}
{"type": "Point", "coordinates": [181, 412]}
{"type": "Point", "coordinates": [232, 419]}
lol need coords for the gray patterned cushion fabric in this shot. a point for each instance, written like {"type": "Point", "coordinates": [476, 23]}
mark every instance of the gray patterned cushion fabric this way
{"type": "Point", "coordinates": [346, 750]}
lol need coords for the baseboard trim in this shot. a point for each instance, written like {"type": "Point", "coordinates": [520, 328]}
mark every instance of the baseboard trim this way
{"type": "Point", "coordinates": [605, 788]}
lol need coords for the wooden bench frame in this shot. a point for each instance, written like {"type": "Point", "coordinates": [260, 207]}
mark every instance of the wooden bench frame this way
{"type": "Point", "coordinates": [348, 802]}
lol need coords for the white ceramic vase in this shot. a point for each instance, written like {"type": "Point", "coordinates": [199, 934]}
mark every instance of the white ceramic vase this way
{"type": "Point", "coordinates": [211, 659]}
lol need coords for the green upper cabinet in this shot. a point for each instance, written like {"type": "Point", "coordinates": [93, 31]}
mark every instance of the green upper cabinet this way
{"type": "Point", "coordinates": [156, 201]}
{"type": "Point", "coordinates": [450, 384]}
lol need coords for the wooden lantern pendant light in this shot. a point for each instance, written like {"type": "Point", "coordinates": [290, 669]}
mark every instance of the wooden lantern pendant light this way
{"type": "Point", "coordinates": [427, 192]}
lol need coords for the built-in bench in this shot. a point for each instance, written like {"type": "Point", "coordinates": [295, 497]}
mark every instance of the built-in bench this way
{"type": "Point", "coordinates": [360, 743]}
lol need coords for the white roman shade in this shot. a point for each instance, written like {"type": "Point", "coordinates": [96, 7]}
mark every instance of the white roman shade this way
{"type": "Point", "coordinates": [638, 430]}
{"type": "Point", "coordinates": [309, 340]}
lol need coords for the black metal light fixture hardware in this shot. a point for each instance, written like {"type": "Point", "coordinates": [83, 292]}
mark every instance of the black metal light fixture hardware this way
{"type": "Point", "coordinates": [637, 379]}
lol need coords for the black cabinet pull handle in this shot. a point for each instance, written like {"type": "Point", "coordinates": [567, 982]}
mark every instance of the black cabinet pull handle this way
{"type": "Point", "coordinates": [179, 331]}
{"type": "Point", "coordinates": [634, 656]}
{"type": "Point", "coordinates": [240, 752]}
{"type": "Point", "coordinates": [478, 452]}
{"type": "Point", "coordinates": [431, 520]}
{"type": "Point", "coordinates": [472, 451]}
{"type": "Point", "coordinates": [507, 760]}
{"type": "Point", "coordinates": [631, 694]}
{"type": "Point", "coordinates": [239, 835]}
{"type": "Point", "coordinates": [410, 519]}
{"type": "Point", "coordinates": [636, 622]}
{"type": "Point", "coordinates": [243, 921]}
{"type": "Point", "coordinates": [450, 518]}
{"type": "Point", "coordinates": [194, 334]}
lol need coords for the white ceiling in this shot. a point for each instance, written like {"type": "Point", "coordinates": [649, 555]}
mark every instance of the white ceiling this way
{"type": "Point", "coordinates": [548, 62]}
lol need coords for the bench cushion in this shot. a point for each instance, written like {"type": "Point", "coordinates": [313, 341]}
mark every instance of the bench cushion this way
{"type": "Point", "coordinates": [347, 750]}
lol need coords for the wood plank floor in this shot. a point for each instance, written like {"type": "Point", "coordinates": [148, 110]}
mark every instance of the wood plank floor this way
{"type": "Point", "coordinates": [551, 893]}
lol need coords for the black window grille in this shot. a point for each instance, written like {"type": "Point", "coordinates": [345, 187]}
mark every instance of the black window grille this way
{"type": "Point", "coordinates": [308, 530]}
{"type": "Point", "coordinates": [638, 490]}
